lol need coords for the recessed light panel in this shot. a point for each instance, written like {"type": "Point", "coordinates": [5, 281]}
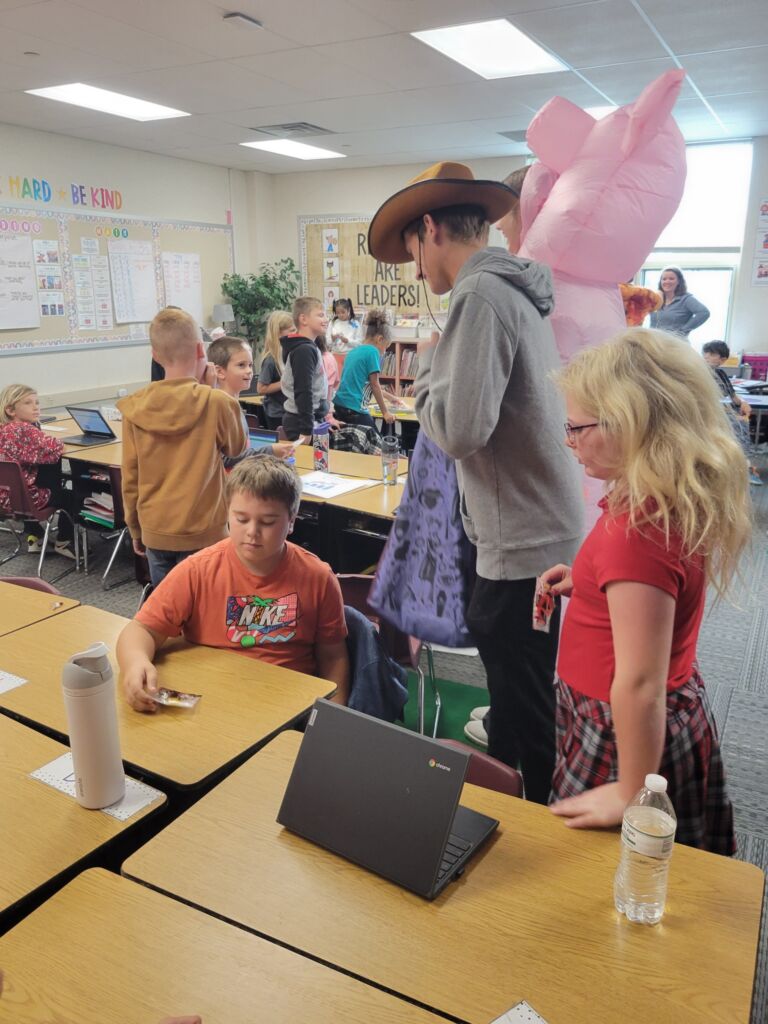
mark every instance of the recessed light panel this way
{"type": "Point", "coordinates": [80, 95]}
{"type": "Point", "coordinates": [492, 49]}
{"type": "Point", "coordinates": [299, 150]}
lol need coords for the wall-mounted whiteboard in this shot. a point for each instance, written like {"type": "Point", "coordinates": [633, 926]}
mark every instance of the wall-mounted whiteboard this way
{"type": "Point", "coordinates": [98, 280]}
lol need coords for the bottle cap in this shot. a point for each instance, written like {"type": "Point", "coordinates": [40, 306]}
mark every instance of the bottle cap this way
{"type": "Point", "coordinates": [656, 783]}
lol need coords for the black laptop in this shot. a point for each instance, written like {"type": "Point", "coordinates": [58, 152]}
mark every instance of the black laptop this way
{"type": "Point", "coordinates": [383, 797]}
{"type": "Point", "coordinates": [95, 429]}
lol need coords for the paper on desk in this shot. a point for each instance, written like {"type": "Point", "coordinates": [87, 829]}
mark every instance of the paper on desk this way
{"type": "Point", "coordinates": [57, 430]}
{"type": "Point", "coordinates": [327, 485]}
{"type": "Point", "coordinates": [10, 682]}
{"type": "Point", "coordinates": [521, 1013]}
{"type": "Point", "coordinates": [60, 774]}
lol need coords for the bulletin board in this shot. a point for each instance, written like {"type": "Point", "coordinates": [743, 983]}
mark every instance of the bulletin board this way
{"type": "Point", "coordinates": [335, 264]}
{"type": "Point", "coordinates": [88, 257]}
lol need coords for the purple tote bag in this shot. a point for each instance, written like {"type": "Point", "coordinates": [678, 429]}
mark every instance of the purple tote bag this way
{"type": "Point", "coordinates": [424, 577]}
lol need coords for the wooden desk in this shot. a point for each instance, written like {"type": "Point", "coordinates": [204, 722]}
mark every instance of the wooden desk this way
{"type": "Point", "coordinates": [245, 701]}
{"type": "Point", "coordinates": [255, 400]}
{"type": "Point", "coordinates": [347, 463]}
{"type": "Point", "coordinates": [532, 918]}
{"type": "Point", "coordinates": [107, 950]}
{"type": "Point", "coordinates": [20, 606]}
{"type": "Point", "coordinates": [99, 455]}
{"type": "Point", "coordinates": [44, 832]}
{"type": "Point", "coordinates": [381, 501]}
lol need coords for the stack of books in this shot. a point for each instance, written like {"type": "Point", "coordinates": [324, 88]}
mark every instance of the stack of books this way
{"type": "Point", "coordinates": [99, 508]}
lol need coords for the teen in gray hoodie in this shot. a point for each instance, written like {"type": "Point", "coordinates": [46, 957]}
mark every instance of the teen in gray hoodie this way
{"type": "Point", "coordinates": [484, 394]}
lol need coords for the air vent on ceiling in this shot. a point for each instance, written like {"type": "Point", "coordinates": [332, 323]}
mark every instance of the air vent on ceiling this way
{"type": "Point", "coordinates": [514, 136]}
{"type": "Point", "coordinates": [293, 130]}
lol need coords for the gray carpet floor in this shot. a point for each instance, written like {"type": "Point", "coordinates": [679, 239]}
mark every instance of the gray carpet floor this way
{"type": "Point", "coordinates": [733, 656]}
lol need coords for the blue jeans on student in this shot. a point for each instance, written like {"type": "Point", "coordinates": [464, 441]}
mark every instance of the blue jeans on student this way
{"type": "Point", "coordinates": [161, 563]}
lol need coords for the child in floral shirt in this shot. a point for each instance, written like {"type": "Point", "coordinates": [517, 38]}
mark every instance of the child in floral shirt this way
{"type": "Point", "coordinates": [22, 441]}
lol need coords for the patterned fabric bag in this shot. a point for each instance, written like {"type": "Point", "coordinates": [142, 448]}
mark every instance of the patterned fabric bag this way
{"type": "Point", "coordinates": [424, 577]}
{"type": "Point", "coordinates": [356, 438]}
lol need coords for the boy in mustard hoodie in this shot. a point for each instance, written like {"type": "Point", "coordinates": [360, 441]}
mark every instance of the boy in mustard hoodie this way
{"type": "Point", "coordinates": [175, 432]}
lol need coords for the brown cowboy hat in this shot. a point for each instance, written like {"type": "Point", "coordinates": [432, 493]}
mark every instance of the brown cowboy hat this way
{"type": "Point", "coordinates": [442, 184]}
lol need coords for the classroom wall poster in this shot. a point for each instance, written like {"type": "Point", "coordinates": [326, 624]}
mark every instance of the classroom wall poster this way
{"type": "Point", "coordinates": [132, 267]}
{"type": "Point", "coordinates": [335, 262]}
{"type": "Point", "coordinates": [759, 277]}
{"type": "Point", "coordinates": [18, 292]}
{"type": "Point", "coordinates": [183, 282]}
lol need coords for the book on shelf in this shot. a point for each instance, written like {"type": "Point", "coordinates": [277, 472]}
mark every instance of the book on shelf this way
{"type": "Point", "coordinates": [100, 520]}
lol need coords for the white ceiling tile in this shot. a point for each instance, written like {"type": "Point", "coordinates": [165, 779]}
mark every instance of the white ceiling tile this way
{"type": "Point", "coordinates": [729, 71]}
{"type": "Point", "coordinates": [203, 88]}
{"type": "Point", "coordinates": [623, 83]}
{"type": "Point", "coordinates": [740, 106]}
{"type": "Point", "coordinates": [312, 24]}
{"type": "Point", "coordinates": [407, 16]}
{"type": "Point", "coordinates": [318, 71]}
{"type": "Point", "coordinates": [194, 23]}
{"type": "Point", "coordinates": [56, 64]}
{"type": "Point", "coordinates": [399, 60]}
{"type": "Point", "coordinates": [589, 34]}
{"type": "Point", "coordinates": [66, 24]}
{"type": "Point", "coordinates": [705, 25]}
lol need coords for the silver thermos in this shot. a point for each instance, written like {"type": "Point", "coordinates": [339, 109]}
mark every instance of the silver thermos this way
{"type": "Point", "coordinates": [89, 698]}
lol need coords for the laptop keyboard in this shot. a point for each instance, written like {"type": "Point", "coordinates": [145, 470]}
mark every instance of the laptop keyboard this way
{"type": "Point", "coordinates": [454, 850]}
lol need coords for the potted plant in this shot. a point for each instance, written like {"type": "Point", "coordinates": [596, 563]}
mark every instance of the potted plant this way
{"type": "Point", "coordinates": [255, 296]}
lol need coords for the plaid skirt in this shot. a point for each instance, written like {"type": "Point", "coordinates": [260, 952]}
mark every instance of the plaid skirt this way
{"type": "Point", "coordinates": [691, 762]}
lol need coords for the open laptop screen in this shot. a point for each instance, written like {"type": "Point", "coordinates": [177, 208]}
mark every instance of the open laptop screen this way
{"type": "Point", "coordinates": [90, 421]}
{"type": "Point", "coordinates": [258, 437]}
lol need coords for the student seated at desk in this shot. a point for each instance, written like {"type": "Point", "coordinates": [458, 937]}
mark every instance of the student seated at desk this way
{"type": "Point", "coordinates": [715, 354]}
{"type": "Point", "coordinates": [254, 593]}
{"type": "Point", "coordinates": [362, 367]}
{"type": "Point", "coordinates": [233, 365]}
{"type": "Point", "coordinates": [174, 434]}
{"type": "Point", "coordinates": [22, 441]}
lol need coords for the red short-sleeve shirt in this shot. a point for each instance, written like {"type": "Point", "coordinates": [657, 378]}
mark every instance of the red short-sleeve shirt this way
{"type": "Point", "coordinates": [212, 599]}
{"type": "Point", "coordinates": [615, 552]}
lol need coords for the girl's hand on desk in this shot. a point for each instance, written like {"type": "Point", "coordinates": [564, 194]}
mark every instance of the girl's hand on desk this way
{"type": "Point", "coordinates": [602, 807]}
{"type": "Point", "coordinates": [137, 680]}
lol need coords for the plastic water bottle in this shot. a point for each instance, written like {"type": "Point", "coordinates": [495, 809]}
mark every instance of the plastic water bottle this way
{"type": "Point", "coordinates": [647, 841]}
{"type": "Point", "coordinates": [321, 442]}
{"type": "Point", "coordinates": [390, 453]}
{"type": "Point", "coordinates": [89, 699]}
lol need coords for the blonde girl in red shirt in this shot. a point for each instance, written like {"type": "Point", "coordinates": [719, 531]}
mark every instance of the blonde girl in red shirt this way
{"type": "Point", "coordinates": [644, 415]}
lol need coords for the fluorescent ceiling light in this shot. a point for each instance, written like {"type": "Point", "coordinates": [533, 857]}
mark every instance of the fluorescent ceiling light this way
{"type": "Point", "coordinates": [492, 49]}
{"type": "Point", "coordinates": [299, 150]}
{"type": "Point", "coordinates": [107, 102]}
{"type": "Point", "coordinates": [600, 112]}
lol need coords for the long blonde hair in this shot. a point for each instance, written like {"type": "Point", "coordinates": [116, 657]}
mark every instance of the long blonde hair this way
{"type": "Point", "coordinates": [279, 322]}
{"type": "Point", "coordinates": [9, 396]}
{"type": "Point", "coordinates": [680, 467]}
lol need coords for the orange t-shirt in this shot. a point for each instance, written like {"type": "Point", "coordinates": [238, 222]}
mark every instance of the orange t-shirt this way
{"type": "Point", "coordinates": [212, 599]}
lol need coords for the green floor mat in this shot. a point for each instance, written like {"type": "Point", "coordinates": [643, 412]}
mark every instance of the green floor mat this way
{"type": "Point", "coordinates": [458, 699]}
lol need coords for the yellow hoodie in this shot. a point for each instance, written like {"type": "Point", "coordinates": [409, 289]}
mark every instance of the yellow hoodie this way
{"type": "Point", "coordinates": [174, 435]}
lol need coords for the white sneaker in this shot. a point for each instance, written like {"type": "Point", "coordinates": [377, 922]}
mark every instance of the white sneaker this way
{"type": "Point", "coordinates": [474, 731]}
{"type": "Point", "coordinates": [478, 714]}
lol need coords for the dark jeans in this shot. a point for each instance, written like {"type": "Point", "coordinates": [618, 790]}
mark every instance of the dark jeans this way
{"type": "Point", "coordinates": [520, 664]}
{"type": "Point", "coordinates": [161, 563]}
{"type": "Point", "coordinates": [273, 422]}
{"type": "Point", "coordinates": [353, 416]}
{"type": "Point", "coordinates": [49, 475]}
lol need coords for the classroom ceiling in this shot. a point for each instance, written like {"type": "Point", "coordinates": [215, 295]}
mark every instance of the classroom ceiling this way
{"type": "Point", "coordinates": [351, 68]}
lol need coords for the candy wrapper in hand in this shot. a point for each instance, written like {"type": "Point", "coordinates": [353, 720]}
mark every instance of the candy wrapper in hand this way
{"type": "Point", "coordinates": [543, 606]}
{"type": "Point", "coordinates": [174, 698]}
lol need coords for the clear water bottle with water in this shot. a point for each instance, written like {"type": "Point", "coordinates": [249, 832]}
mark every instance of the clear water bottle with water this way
{"type": "Point", "coordinates": [390, 453]}
{"type": "Point", "coordinates": [647, 841]}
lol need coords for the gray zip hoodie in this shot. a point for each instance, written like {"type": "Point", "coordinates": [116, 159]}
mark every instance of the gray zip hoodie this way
{"type": "Point", "coordinates": [484, 394]}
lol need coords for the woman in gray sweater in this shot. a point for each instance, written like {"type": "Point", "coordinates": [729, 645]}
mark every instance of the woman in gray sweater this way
{"type": "Point", "coordinates": [681, 313]}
